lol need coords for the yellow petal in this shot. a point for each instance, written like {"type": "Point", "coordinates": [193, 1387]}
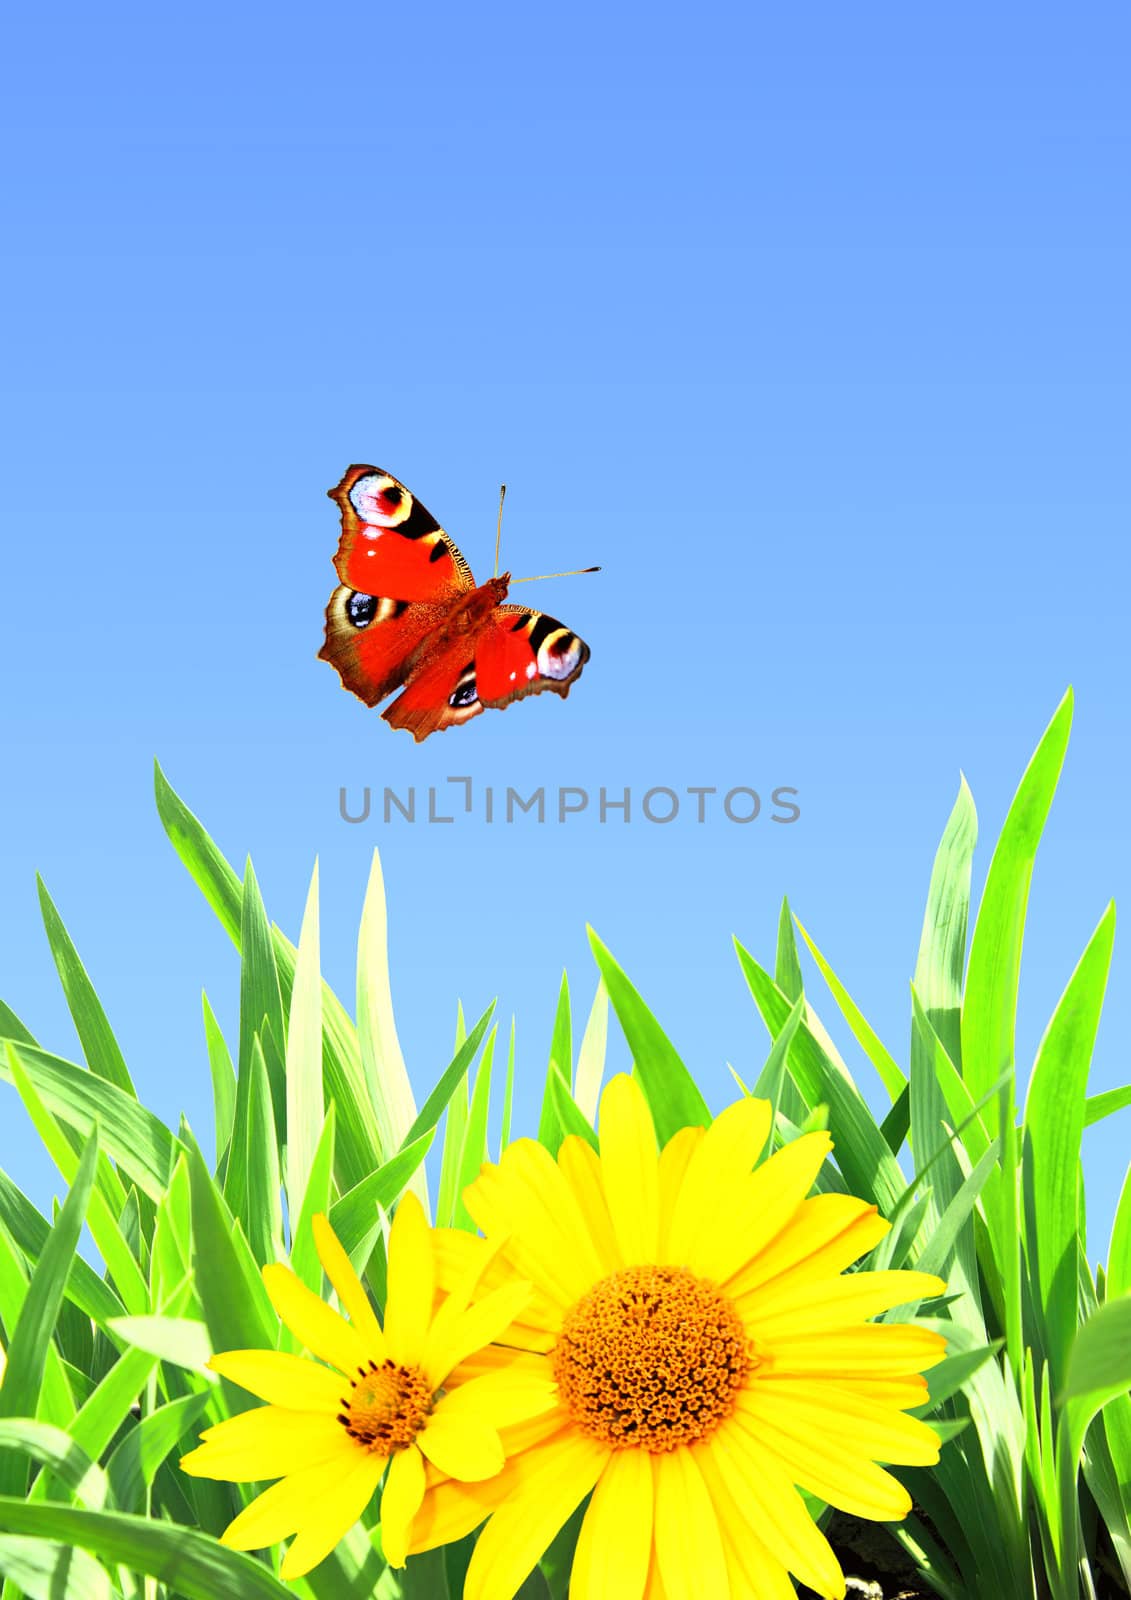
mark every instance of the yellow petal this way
{"type": "Point", "coordinates": [455, 1252]}
{"type": "Point", "coordinates": [827, 1468]}
{"type": "Point", "coordinates": [689, 1545]}
{"type": "Point", "coordinates": [629, 1169]}
{"type": "Point", "coordinates": [280, 1510]}
{"type": "Point", "coordinates": [451, 1339]}
{"type": "Point", "coordinates": [775, 1511]}
{"type": "Point", "coordinates": [826, 1234]}
{"type": "Point", "coordinates": [502, 1397]}
{"type": "Point", "coordinates": [321, 1330]}
{"type": "Point", "coordinates": [267, 1442]}
{"type": "Point", "coordinates": [351, 1294]}
{"type": "Point", "coordinates": [529, 1198]}
{"type": "Point", "coordinates": [546, 1485]}
{"type": "Point", "coordinates": [876, 1350]}
{"type": "Point", "coordinates": [330, 1515]}
{"type": "Point", "coordinates": [826, 1412]}
{"type": "Point", "coordinates": [903, 1394]}
{"type": "Point", "coordinates": [451, 1510]}
{"type": "Point", "coordinates": [614, 1549]}
{"type": "Point", "coordinates": [675, 1158]}
{"type": "Point", "coordinates": [285, 1380]}
{"type": "Point", "coordinates": [464, 1447]}
{"type": "Point", "coordinates": [401, 1499]}
{"type": "Point", "coordinates": [719, 1165]}
{"type": "Point", "coordinates": [784, 1307]}
{"type": "Point", "coordinates": [408, 1309]}
{"type": "Point", "coordinates": [581, 1167]}
{"type": "Point", "coordinates": [765, 1202]}
{"type": "Point", "coordinates": [754, 1573]}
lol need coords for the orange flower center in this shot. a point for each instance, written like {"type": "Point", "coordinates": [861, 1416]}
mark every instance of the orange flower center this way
{"type": "Point", "coordinates": [387, 1407]}
{"type": "Point", "coordinates": [652, 1357]}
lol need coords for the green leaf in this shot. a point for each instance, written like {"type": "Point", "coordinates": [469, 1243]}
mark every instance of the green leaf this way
{"type": "Point", "coordinates": [192, 1564]}
{"type": "Point", "coordinates": [28, 1345]}
{"type": "Point", "coordinates": [264, 1201]}
{"type": "Point", "coordinates": [672, 1092]}
{"type": "Point", "coordinates": [304, 1094]}
{"type": "Point", "coordinates": [99, 1046]}
{"type": "Point", "coordinates": [134, 1463]}
{"type": "Point", "coordinates": [474, 1152]}
{"type": "Point", "coordinates": [787, 963]}
{"type": "Point", "coordinates": [108, 1233]}
{"type": "Point", "coordinates": [44, 1569]}
{"type": "Point", "coordinates": [455, 1126]}
{"type": "Point", "coordinates": [31, 1231]}
{"type": "Point", "coordinates": [260, 997]}
{"type": "Point", "coordinates": [942, 944]}
{"type": "Point", "coordinates": [1099, 1362]}
{"type": "Point", "coordinates": [133, 1137]}
{"type": "Point", "coordinates": [315, 1202]}
{"type": "Point", "coordinates": [456, 1070]}
{"type": "Point", "coordinates": [1099, 1106]}
{"type": "Point", "coordinates": [55, 1449]}
{"type": "Point", "coordinates": [354, 1215]}
{"type": "Point", "coordinates": [591, 1055]}
{"type": "Point", "coordinates": [12, 1028]}
{"type": "Point", "coordinates": [869, 1168]}
{"type": "Point", "coordinates": [569, 1117]}
{"type": "Point", "coordinates": [1119, 1255]}
{"type": "Point", "coordinates": [1054, 1126]}
{"type": "Point", "coordinates": [990, 1002]}
{"type": "Point", "coordinates": [358, 1145]}
{"type": "Point", "coordinates": [772, 1077]}
{"type": "Point", "coordinates": [561, 1059]}
{"type": "Point", "coordinates": [236, 1306]}
{"type": "Point", "coordinates": [936, 1041]}
{"type": "Point", "coordinates": [508, 1095]}
{"type": "Point", "coordinates": [944, 1233]}
{"type": "Point", "coordinates": [223, 1079]}
{"type": "Point", "coordinates": [891, 1074]}
{"type": "Point", "coordinates": [182, 1340]}
{"type": "Point", "coordinates": [382, 1061]}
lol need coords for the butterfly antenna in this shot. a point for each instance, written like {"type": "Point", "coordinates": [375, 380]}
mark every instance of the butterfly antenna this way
{"type": "Point", "coordinates": [499, 528]}
{"type": "Point", "coordinates": [539, 577]}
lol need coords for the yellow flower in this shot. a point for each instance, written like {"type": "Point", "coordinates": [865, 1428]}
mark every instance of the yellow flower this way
{"type": "Point", "coordinates": [710, 1354]}
{"type": "Point", "coordinates": [329, 1435]}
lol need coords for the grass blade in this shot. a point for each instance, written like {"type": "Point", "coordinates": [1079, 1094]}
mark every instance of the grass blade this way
{"type": "Point", "coordinates": [99, 1046]}
{"type": "Point", "coordinates": [31, 1337]}
{"type": "Point", "coordinates": [673, 1095]}
{"type": "Point", "coordinates": [1054, 1125]}
{"type": "Point", "coordinates": [891, 1073]}
{"type": "Point", "coordinates": [591, 1055]}
{"type": "Point", "coordinates": [381, 1058]}
{"type": "Point", "coordinates": [561, 1060]}
{"type": "Point", "coordinates": [223, 1080]}
{"type": "Point", "coordinates": [193, 1566]}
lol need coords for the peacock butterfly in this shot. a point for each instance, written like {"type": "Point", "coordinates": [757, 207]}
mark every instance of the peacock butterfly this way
{"type": "Point", "coordinates": [408, 615]}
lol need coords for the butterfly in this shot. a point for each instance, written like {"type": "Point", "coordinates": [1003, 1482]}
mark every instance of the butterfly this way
{"type": "Point", "coordinates": [408, 615]}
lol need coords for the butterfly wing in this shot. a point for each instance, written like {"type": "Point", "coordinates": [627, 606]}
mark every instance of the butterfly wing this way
{"type": "Point", "coordinates": [400, 575]}
{"type": "Point", "coordinates": [514, 652]}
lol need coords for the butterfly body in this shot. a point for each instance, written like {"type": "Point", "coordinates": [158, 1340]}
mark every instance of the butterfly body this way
{"type": "Point", "coordinates": [408, 615]}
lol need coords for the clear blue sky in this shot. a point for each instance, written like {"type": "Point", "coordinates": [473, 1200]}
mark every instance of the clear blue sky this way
{"type": "Point", "coordinates": [811, 325]}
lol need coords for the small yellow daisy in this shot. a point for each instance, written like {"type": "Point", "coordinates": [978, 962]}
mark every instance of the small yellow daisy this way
{"type": "Point", "coordinates": [386, 1400]}
{"type": "Point", "coordinates": [710, 1355]}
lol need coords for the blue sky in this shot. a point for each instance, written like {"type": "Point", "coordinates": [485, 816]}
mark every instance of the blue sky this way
{"type": "Point", "coordinates": [810, 326]}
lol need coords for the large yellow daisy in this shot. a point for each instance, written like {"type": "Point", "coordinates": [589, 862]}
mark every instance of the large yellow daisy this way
{"type": "Point", "coordinates": [384, 1406]}
{"type": "Point", "coordinates": [710, 1354]}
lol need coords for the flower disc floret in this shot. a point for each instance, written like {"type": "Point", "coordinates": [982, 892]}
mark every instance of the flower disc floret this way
{"type": "Point", "coordinates": [651, 1357]}
{"type": "Point", "coordinates": [387, 1407]}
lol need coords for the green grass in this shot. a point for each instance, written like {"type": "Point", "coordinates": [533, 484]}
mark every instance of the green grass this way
{"type": "Point", "coordinates": [105, 1384]}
